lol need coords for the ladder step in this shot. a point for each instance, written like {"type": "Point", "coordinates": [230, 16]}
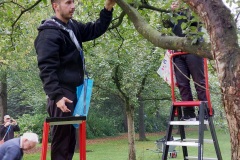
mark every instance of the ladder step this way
{"type": "Point", "coordinates": [186, 122]}
{"type": "Point", "coordinates": [180, 143]}
{"type": "Point", "coordinates": [196, 140]}
{"type": "Point", "coordinates": [187, 103]}
{"type": "Point", "coordinates": [204, 158]}
{"type": "Point", "coordinates": [193, 140]}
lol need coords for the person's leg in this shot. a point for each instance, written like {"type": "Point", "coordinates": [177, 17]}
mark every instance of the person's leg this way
{"type": "Point", "coordinates": [72, 142]}
{"type": "Point", "coordinates": [63, 136]}
{"type": "Point", "coordinates": [196, 68]}
{"type": "Point", "coordinates": [183, 80]}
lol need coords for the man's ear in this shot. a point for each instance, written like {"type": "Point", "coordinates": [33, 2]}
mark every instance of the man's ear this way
{"type": "Point", "coordinates": [54, 6]}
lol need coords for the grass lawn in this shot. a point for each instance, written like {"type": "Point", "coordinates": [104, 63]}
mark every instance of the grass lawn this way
{"type": "Point", "coordinates": [117, 149]}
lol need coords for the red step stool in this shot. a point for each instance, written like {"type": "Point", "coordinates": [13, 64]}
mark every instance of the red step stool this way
{"type": "Point", "coordinates": [81, 120]}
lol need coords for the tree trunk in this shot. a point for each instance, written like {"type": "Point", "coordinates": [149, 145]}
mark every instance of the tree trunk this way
{"type": "Point", "coordinates": [125, 123]}
{"type": "Point", "coordinates": [142, 135]}
{"type": "Point", "coordinates": [131, 133]}
{"type": "Point", "coordinates": [130, 116]}
{"type": "Point", "coordinates": [3, 95]}
{"type": "Point", "coordinates": [225, 50]}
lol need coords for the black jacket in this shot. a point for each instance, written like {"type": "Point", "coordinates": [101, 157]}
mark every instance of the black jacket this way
{"type": "Point", "coordinates": [58, 58]}
{"type": "Point", "coordinates": [176, 27]}
{"type": "Point", "coordinates": [10, 134]}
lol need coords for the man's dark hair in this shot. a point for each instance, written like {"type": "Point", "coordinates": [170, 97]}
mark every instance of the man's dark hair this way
{"type": "Point", "coordinates": [54, 1]}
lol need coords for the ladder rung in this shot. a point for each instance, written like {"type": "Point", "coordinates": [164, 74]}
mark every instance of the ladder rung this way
{"type": "Point", "coordinates": [187, 103]}
{"type": "Point", "coordinates": [65, 120]}
{"type": "Point", "coordinates": [192, 140]}
{"type": "Point", "coordinates": [180, 143]}
{"type": "Point", "coordinates": [204, 158]}
{"type": "Point", "coordinates": [186, 122]}
{"type": "Point", "coordinates": [196, 140]}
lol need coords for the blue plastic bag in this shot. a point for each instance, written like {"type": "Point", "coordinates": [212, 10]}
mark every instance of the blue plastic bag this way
{"type": "Point", "coordinates": [84, 93]}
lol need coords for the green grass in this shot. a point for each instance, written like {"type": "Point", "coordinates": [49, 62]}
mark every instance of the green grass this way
{"type": "Point", "coordinates": [118, 149]}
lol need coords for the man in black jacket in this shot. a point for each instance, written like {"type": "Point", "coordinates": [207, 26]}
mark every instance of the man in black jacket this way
{"type": "Point", "coordinates": [61, 67]}
{"type": "Point", "coordinates": [187, 64]}
{"type": "Point", "coordinates": [8, 128]}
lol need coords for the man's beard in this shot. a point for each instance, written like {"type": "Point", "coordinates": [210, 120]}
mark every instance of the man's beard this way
{"type": "Point", "coordinates": [66, 16]}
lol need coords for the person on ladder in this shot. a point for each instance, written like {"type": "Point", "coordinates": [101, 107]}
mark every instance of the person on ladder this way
{"type": "Point", "coordinates": [61, 66]}
{"type": "Point", "coordinates": [187, 64]}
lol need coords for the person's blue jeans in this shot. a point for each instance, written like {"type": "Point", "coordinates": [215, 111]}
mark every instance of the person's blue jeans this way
{"type": "Point", "coordinates": [190, 64]}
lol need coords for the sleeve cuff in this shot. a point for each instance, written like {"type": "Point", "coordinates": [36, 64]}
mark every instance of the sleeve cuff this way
{"type": "Point", "coordinates": [58, 98]}
{"type": "Point", "coordinates": [105, 10]}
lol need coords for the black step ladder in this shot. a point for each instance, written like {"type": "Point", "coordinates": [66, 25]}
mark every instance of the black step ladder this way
{"type": "Point", "coordinates": [176, 110]}
{"type": "Point", "coordinates": [203, 108]}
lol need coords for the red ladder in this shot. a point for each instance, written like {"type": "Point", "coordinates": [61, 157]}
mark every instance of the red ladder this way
{"type": "Point", "coordinates": [176, 110]}
{"type": "Point", "coordinates": [63, 121]}
{"type": "Point", "coordinates": [206, 82]}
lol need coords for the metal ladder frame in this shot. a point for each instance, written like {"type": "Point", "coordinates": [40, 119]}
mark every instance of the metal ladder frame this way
{"type": "Point", "coordinates": [204, 106]}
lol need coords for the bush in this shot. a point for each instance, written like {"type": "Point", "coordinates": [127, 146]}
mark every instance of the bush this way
{"type": "Point", "coordinates": [96, 125]}
{"type": "Point", "coordinates": [99, 126]}
{"type": "Point", "coordinates": [33, 123]}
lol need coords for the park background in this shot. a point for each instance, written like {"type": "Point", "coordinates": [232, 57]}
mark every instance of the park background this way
{"type": "Point", "coordinates": [122, 63]}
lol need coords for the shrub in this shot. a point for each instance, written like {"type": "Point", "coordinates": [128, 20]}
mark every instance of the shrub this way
{"type": "Point", "coordinates": [33, 123]}
{"type": "Point", "coordinates": [99, 126]}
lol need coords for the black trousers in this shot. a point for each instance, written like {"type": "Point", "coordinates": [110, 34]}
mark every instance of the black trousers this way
{"type": "Point", "coordinates": [187, 65]}
{"type": "Point", "coordinates": [63, 136]}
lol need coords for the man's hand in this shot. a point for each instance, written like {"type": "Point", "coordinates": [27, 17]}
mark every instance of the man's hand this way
{"type": "Point", "coordinates": [61, 104]}
{"type": "Point", "coordinates": [14, 122]}
{"type": "Point", "coordinates": [109, 4]}
{"type": "Point", "coordinates": [7, 124]}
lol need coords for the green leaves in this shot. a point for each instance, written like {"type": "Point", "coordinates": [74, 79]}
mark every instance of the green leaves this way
{"type": "Point", "coordinates": [45, 2]}
{"type": "Point", "coordinates": [124, 47]}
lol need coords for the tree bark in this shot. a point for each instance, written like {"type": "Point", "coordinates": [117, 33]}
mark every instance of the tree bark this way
{"type": "Point", "coordinates": [142, 135]}
{"type": "Point", "coordinates": [125, 122]}
{"type": "Point", "coordinates": [131, 132]}
{"type": "Point", "coordinates": [3, 95]}
{"type": "Point", "coordinates": [225, 50]}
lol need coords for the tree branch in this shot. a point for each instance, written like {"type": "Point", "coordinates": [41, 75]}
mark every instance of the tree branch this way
{"type": "Point", "coordinates": [236, 19]}
{"type": "Point", "coordinates": [165, 42]}
{"type": "Point", "coordinates": [117, 82]}
{"type": "Point", "coordinates": [18, 4]}
{"type": "Point", "coordinates": [147, 6]}
{"type": "Point", "coordinates": [25, 10]}
{"type": "Point", "coordinates": [143, 6]}
{"type": "Point", "coordinates": [120, 19]}
{"type": "Point", "coordinates": [22, 12]}
{"type": "Point", "coordinates": [142, 85]}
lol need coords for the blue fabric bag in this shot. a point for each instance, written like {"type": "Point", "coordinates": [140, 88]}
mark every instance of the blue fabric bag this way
{"type": "Point", "coordinates": [84, 93]}
{"type": "Point", "coordinates": [83, 103]}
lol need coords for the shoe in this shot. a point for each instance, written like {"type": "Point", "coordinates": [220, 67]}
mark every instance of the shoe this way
{"type": "Point", "coordinates": [188, 118]}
